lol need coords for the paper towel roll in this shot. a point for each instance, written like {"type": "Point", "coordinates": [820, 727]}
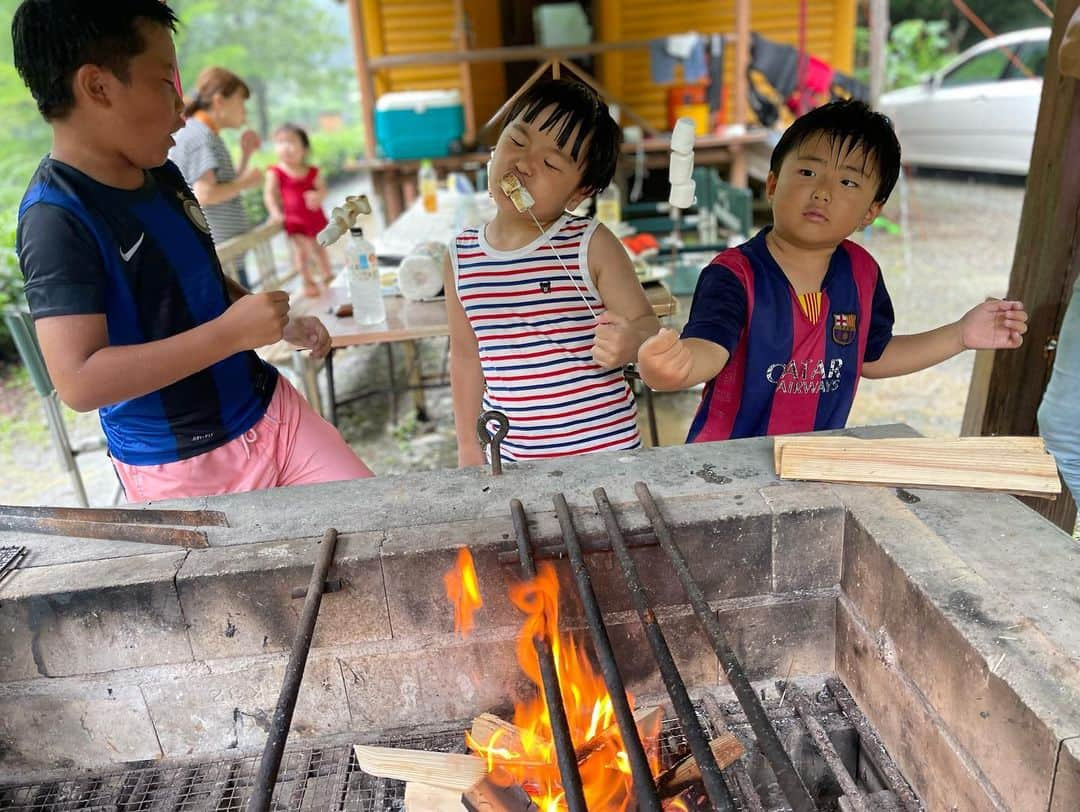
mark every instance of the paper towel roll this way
{"type": "Point", "coordinates": [420, 275]}
{"type": "Point", "coordinates": [682, 136]}
{"type": "Point", "coordinates": [681, 167]}
{"type": "Point", "coordinates": [682, 195]}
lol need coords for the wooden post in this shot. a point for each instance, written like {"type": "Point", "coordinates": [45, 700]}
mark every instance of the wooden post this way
{"type": "Point", "coordinates": [461, 23]}
{"type": "Point", "coordinates": [740, 175]}
{"type": "Point", "coordinates": [1045, 266]}
{"type": "Point", "coordinates": [363, 76]}
{"type": "Point", "coordinates": [879, 44]}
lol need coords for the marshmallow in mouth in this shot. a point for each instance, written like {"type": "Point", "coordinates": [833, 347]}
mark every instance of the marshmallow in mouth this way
{"type": "Point", "coordinates": [518, 194]}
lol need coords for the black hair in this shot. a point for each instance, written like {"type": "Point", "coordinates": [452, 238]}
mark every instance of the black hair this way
{"type": "Point", "coordinates": [851, 124]}
{"type": "Point", "coordinates": [297, 130]}
{"type": "Point", "coordinates": [52, 39]}
{"type": "Point", "coordinates": [576, 106]}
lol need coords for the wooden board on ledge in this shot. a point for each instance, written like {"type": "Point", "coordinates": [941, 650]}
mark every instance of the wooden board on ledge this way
{"type": "Point", "coordinates": [1018, 465]}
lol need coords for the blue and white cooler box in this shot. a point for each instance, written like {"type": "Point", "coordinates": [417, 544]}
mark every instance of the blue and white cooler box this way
{"type": "Point", "coordinates": [418, 123]}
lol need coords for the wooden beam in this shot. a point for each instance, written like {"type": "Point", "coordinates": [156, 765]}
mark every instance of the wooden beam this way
{"type": "Point", "coordinates": [1046, 261]}
{"type": "Point", "coordinates": [363, 76]}
{"type": "Point", "coordinates": [461, 24]}
{"type": "Point", "coordinates": [502, 111]}
{"type": "Point", "coordinates": [740, 164]}
{"type": "Point", "coordinates": [879, 45]}
{"type": "Point", "coordinates": [512, 53]}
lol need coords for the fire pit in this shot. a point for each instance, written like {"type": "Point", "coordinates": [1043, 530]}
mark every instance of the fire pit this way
{"type": "Point", "coordinates": [134, 678]}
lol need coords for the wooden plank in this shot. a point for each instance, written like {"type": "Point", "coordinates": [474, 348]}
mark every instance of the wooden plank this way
{"type": "Point", "coordinates": [426, 798]}
{"type": "Point", "coordinates": [1025, 445]}
{"type": "Point", "coordinates": [446, 770]}
{"type": "Point", "coordinates": [987, 464]}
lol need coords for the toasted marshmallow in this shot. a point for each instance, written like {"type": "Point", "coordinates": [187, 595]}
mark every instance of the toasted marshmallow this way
{"type": "Point", "coordinates": [521, 199]}
{"type": "Point", "coordinates": [509, 183]}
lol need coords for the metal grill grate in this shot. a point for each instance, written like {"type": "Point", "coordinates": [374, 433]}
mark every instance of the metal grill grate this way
{"type": "Point", "coordinates": [309, 779]}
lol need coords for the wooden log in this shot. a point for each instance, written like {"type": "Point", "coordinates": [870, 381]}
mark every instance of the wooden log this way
{"type": "Point", "coordinates": [497, 792]}
{"type": "Point", "coordinates": [1010, 465]}
{"type": "Point", "coordinates": [446, 770]}
{"type": "Point", "coordinates": [726, 749]}
{"type": "Point", "coordinates": [648, 722]}
{"type": "Point", "coordinates": [427, 798]}
{"type": "Point", "coordinates": [488, 726]}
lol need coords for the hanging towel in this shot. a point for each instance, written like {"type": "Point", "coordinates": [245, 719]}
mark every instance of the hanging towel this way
{"type": "Point", "coordinates": [686, 49]}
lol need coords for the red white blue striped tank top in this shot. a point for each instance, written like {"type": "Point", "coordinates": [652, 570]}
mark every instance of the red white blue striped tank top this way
{"type": "Point", "coordinates": [535, 335]}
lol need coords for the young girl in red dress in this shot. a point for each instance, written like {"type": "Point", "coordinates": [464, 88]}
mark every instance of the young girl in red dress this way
{"type": "Point", "coordinates": [293, 194]}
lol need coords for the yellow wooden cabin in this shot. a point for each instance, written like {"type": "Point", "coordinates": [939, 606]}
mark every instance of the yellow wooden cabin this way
{"type": "Point", "coordinates": [412, 27]}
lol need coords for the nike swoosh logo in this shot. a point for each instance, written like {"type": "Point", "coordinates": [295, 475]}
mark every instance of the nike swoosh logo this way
{"type": "Point", "coordinates": [126, 255]}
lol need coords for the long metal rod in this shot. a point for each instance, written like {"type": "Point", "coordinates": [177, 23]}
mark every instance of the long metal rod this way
{"type": "Point", "coordinates": [669, 672]}
{"type": "Point", "coordinates": [788, 779]}
{"type": "Point", "coordinates": [74, 528]}
{"type": "Point", "coordinates": [872, 747]}
{"type": "Point", "coordinates": [634, 540]}
{"type": "Point", "coordinates": [854, 796]}
{"type": "Point", "coordinates": [549, 675]}
{"type": "Point", "coordinates": [644, 786]}
{"type": "Point", "coordinates": [188, 518]}
{"type": "Point", "coordinates": [263, 789]}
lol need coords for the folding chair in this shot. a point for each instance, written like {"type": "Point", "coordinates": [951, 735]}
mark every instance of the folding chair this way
{"type": "Point", "coordinates": [21, 327]}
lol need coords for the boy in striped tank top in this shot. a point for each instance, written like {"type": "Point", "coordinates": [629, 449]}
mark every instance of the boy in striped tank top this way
{"type": "Point", "coordinates": [544, 307]}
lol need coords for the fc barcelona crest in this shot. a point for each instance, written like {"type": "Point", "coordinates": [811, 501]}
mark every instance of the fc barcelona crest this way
{"type": "Point", "coordinates": [843, 328]}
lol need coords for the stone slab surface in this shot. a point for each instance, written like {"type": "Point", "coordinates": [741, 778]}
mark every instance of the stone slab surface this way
{"type": "Point", "coordinates": [92, 616]}
{"type": "Point", "coordinates": [231, 705]}
{"type": "Point", "coordinates": [239, 601]}
{"type": "Point", "coordinates": [74, 726]}
{"type": "Point", "coordinates": [914, 735]}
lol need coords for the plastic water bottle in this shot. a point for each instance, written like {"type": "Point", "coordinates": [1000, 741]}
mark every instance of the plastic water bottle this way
{"type": "Point", "coordinates": [428, 182]}
{"type": "Point", "coordinates": [609, 207]}
{"type": "Point", "coordinates": [365, 292]}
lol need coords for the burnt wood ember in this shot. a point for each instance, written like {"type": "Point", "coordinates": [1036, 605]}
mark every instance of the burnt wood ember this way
{"type": "Point", "coordinates": [726, 749]}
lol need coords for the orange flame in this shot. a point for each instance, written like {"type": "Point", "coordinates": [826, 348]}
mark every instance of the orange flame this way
{"type": "Point", "coordinates": [464, 592]}
{"type": "Point", "coordinates": [605, 772]}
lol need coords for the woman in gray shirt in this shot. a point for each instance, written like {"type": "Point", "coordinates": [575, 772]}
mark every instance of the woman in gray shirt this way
{"type": "Point", "coordinates": [217, 103]}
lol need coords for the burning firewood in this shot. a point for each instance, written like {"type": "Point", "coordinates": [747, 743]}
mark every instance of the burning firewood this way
{"type": "Point", "coordinates": [647, 721]}
{"type": "Point", "coordinates": [497, 792]}
{"type": "Point", "coordinates": [726, 749]}
{"type": "Point", "coordinates": [691, 799]}
{"type": "Point", "coordinates": [447, 770]}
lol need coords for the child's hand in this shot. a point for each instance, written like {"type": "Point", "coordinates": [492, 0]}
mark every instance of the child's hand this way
{"type": "Point", "coordinates": [310, 333]}
{"type": "Point", "coordinates": [994, 325]}
{"type": "Point", "coordinates": [249, 142]}
{"type": "Point", "coordinates": [257, 319]}
{"type": "Point", "coordinates": [664, 362]}
{"type": "Point", "coordinates": [616, 342]}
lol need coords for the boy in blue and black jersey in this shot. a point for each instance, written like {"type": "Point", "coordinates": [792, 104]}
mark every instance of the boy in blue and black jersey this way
{"type": "Point", "coordinates": [134, 315]}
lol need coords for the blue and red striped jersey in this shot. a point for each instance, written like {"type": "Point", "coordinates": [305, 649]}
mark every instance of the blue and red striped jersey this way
{"type": "Point", "coordinates": [790, 371]}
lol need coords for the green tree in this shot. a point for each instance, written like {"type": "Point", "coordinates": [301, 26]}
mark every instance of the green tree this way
{"type": "Point", "coordinates": [1001, 16]}
{"type": "Point", "coordinates": [279, 49]}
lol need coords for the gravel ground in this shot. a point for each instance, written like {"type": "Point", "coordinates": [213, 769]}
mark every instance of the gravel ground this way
{"type": "Point", "coordinates": [956, 251]}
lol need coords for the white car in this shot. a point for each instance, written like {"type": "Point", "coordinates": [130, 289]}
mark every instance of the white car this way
{"type": "Point", "coordinates": [977, 113]}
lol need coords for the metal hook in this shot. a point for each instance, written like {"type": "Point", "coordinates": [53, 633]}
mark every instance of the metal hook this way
{"type": "Point", "coordinates": [494, 440]}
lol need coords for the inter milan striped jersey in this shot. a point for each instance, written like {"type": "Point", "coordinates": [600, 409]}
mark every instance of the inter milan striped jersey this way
{"type": "Point", "coordinates": [795, 361]}
{"type": "Point", "coordinates": [535, 335]}
{"type": "Point", "coordinates": [144, 259]}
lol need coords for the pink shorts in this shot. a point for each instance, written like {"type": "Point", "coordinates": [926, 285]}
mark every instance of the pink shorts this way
{"type": "Point", "coordinates": [290, 445]}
